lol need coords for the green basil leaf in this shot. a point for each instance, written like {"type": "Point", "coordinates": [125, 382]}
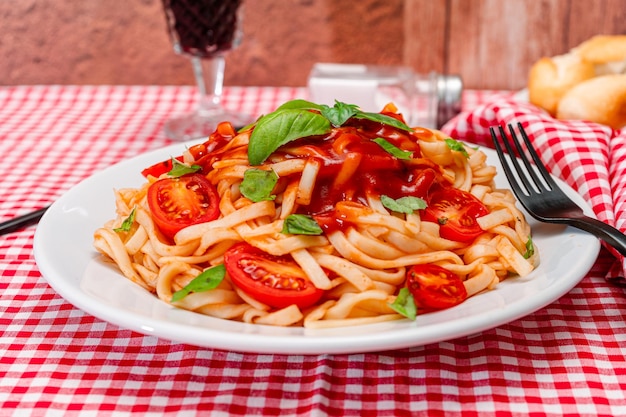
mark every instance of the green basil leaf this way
{"type": "Point", "coordinates": [405, 304]}
{"type": "Point", "coordinates": [281, 127]}
{"type": "Point", "coordinates": [455, 145]}
{"type": "Point", "coordinates": [301, 224]}
{"type": "Point", "coordinates": [246, 127]}
{"type": "Point", "coordinates": [179, 169]}
{"type": "Point", "coordinates": [127, 223]}
{"type": "Point", "coordinates": [383, 118]}
{"type": "Point", "coordinates": [209, 279]}
{"type": "Point", "coordinates": [258, 184]}
{"type": "Point", "coordinates": [530, 248]}
{"type": "Point", "coordinates": [300, 104]}
{"type": "Point", "coordinates": [406, 204]}
{"type": "Point", "coordinates": [393, 149]}
{"type": "Point", "coordinates": [339, 113]}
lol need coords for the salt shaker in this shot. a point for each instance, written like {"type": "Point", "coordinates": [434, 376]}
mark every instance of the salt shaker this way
{"type": "Point", "coordinates": [427, 100]}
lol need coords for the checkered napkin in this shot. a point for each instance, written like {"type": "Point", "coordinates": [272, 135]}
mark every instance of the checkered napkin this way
{"type": "Point", "coordinates": [590, 157]}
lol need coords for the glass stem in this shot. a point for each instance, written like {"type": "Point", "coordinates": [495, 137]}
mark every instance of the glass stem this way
{"type": "Point", "coordinates": [209, 74]}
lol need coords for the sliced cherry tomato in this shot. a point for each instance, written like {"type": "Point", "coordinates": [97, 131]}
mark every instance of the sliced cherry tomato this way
{"type": "Point", "coordinates": [434, 287]}
{"type": "Point", "coordinates": [456, 212]}
{"type": "Point", "coordinates": [273, 280]}
{"type": "Point", "coordinates": [160, 168]}
{"type": "Point", "coordinates": [176, 203]}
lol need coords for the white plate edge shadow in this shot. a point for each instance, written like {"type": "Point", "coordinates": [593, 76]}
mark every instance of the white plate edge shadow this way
{"type": "Point", "coordinates": [75, 272]}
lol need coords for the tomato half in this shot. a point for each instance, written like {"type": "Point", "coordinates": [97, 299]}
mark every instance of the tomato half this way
{"type": "Point", "coordinates": [434, 287]}
{"type": "Point", "coordinates": [456, 212]}
{"type": "Point", "coordinates": [176, 203]}
{"type": "Point", "coordinates": [273, 280]}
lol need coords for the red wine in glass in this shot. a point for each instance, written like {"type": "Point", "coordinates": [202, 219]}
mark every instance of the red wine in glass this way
{"type": "Point", "coordinates": [204, 30]}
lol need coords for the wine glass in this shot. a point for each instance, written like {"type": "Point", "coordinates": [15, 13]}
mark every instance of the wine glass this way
{"type": "Point", "coordinates": [204, 30]}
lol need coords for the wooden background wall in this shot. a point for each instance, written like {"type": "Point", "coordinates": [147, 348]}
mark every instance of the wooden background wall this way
{"type": "Point", "coordinates": [493, 43]}
{"type": "Point", "coordinates": [490, 43]}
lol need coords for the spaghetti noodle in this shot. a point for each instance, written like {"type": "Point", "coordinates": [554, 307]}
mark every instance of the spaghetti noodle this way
{"type": "Point", "coordinates": [318, 216]}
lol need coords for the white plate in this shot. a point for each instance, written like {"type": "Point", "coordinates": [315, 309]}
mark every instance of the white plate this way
{"type": "Point", "coordinates": [66, 258]}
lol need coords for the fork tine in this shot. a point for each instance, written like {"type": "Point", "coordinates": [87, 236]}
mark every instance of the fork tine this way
{"type": "Point", "coordinates": [506, 165]}
{"type": "Point", "coordinates": [533, 153]}
{"type": "Point", "coordinates": [521, 180]}
{"type": "Point", "coordinates": [500, 152]}
{"type": "Point", "coordinates": [529, 169]}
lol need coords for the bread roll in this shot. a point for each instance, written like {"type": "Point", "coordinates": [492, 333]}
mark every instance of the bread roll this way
{"type": "Point", "coordinates": [562, 85]}
{"type": "Point", "coordinates": [603, 48]}
{"type": "Point", "coordinates": [601, 99]}
{"type": "Point", "coordinates": [551, 78]}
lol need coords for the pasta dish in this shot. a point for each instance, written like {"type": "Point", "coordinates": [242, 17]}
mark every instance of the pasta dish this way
{"type": "Point", "coordinates": [319, 216]}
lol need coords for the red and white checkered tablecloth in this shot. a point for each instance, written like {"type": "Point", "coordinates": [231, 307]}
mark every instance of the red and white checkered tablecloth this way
{"type": "Point", "coordinates": [568, 358]}
{"type": "Point", "coordinates": [590, 157]}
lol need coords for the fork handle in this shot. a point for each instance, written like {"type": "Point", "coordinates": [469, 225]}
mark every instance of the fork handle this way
{"type": "Point", "coordinates": [603, 231]}
{"type": "Point", "coordinates": [17, 223]}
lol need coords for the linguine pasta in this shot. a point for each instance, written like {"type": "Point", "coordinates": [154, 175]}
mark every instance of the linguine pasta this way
{"type": "Point", "coordinates": [359, 258]}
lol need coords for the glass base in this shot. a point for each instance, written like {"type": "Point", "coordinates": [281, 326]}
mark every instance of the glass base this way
{"type": "Point", "coordinates": [200, 126]}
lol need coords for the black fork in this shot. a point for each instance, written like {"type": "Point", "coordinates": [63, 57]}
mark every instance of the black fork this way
{"type": "Point", "coordinates": [540, 195]}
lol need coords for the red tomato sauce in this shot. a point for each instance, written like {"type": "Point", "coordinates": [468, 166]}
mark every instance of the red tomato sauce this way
{"type": "Point", "coordinates": [377, 172]}
{"type": "Point", "coordinates": [352, 166]}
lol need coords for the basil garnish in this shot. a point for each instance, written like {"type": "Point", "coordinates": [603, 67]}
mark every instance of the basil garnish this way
{"type": "Point", "coordinates": [300, 104]}
{"type": "Point", "coordinates": [280, 127]}
{"type": "Point", "coordinates": [339, 113]}
{"type": "Point", "coordinates": [530, 248]}
{"type": "Point", "coordinates": [406, 204]}
{"type": "Point", "coordinates": [393, 149]}
{"type": "Point", "coordinates": [179, 169]}
{"type": "Point", "coordinates": [257, 184]}
{"type": "Point", "coordinates": [405, 304]}
{"type": "Point", "coordinates": [301, 224]}
{"type": "Point", "coordinates": [127, 223]}
{"type": "Point", "coordinates": [384, 119]}
{"type": "Point", "coordinates": [295, 119]}
{"type": "Point", "coordinates": [455, 145]}
{"type": "Point", "coordinates": [209, 279]}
